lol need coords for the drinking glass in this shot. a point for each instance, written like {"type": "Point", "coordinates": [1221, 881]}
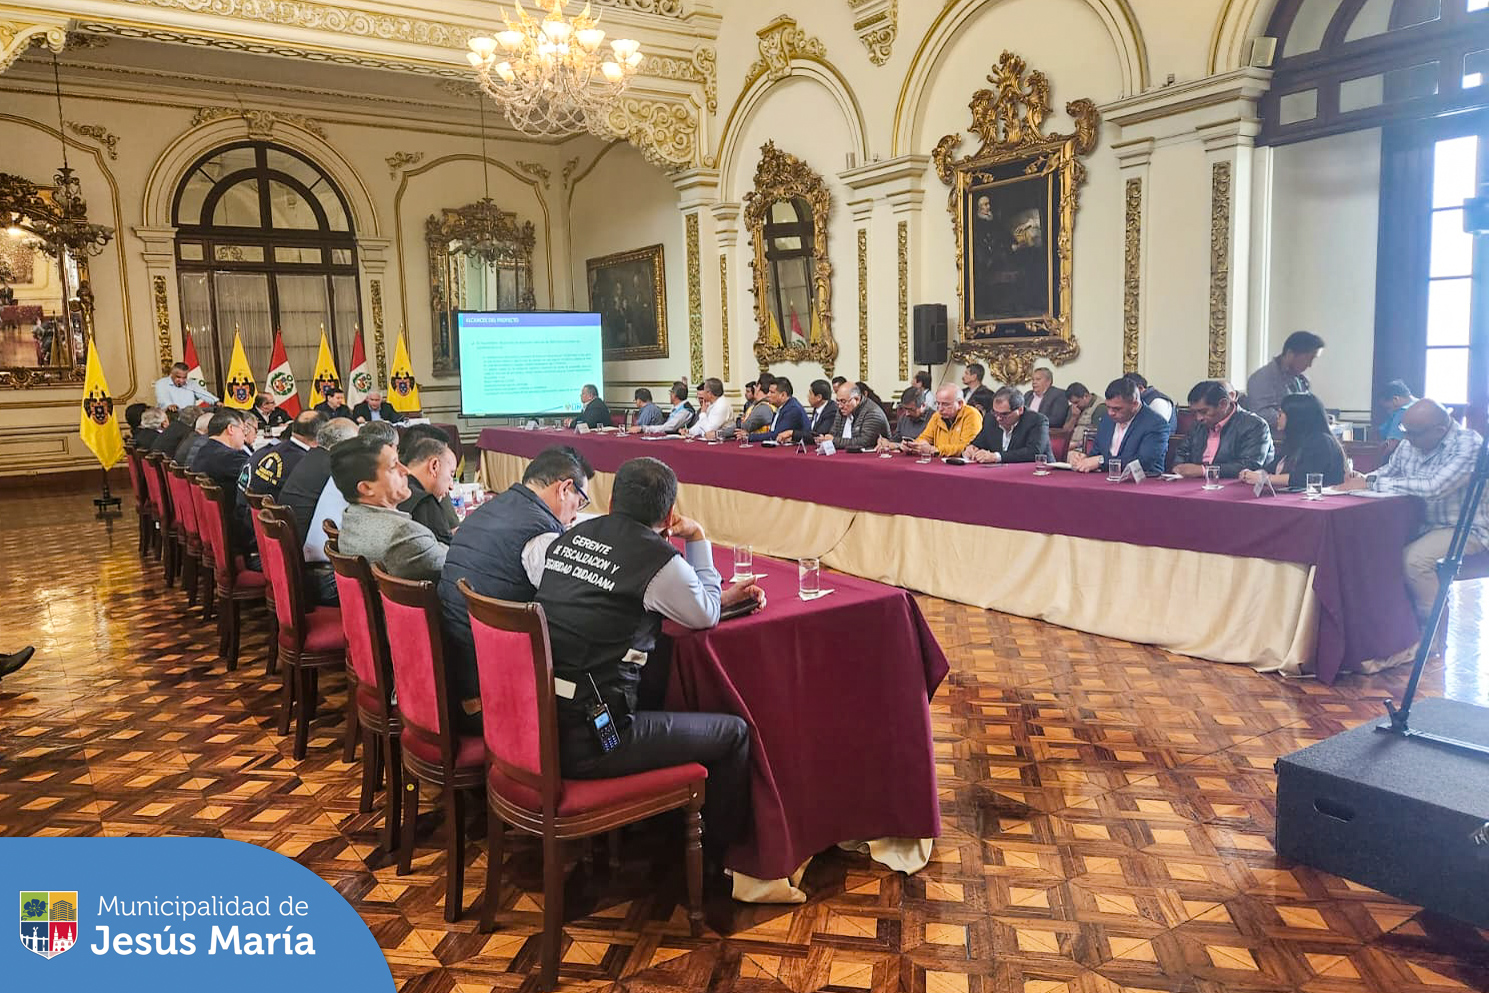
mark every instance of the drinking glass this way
{"type": "Point", "coordinates": [1041, 464]}
{"type": "Point", "coordinates": [809, 577]}
{"type": "Point", "coordinates": [1315, 486]}
{"type": "Point", "coordinates": [744, 562]}
{"type": "Point", "coordinates": [1113, 470]}
{"type": "Point", "coordinates": [1212, 477]}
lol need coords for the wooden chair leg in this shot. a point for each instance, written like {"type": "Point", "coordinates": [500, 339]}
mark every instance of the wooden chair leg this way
{"type": "Point", "coordinates": [145, 526]}
{"type": "Point", "coordinates": [408, 823]}
{"type": "Point", "coordinates": [370, 751]}
{"type": "Point", "coordinates": [613, 839]}
{"type": "Point", "coordinates": [271, 665]}
{"type": "Point", "coordinates": [287, 707]}
{"type": "Point", "coordinates": [693, 853]}
{"type": "Point", "coordinates": [209, 599]}
{"type": "Point", "coordinates": [495, 842]}
{"type": "Point", "coordinates": [454, 853]}
{"type": "Point", "coordinates": [190, 580]}
{"type": "Point", "coordinates": [304, 710]}
{"type": "Point", "coordinates": [227, 618]}
{"type": "Point", "coordinates": [353, 725]}
{"type": "Point", "coordinates": [168, 556]}
{"type": "Point", "coordinates": [553, 911]}
{"type": "Point", "coordinates": [393, 762]}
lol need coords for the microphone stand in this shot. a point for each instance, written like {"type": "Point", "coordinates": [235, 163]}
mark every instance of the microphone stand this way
{"type": "Point", "coordinates": [1476, 223]}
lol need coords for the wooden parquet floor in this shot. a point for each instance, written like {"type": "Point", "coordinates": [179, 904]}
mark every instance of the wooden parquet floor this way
{"type": "Point", "coordinates": [1108, 811]}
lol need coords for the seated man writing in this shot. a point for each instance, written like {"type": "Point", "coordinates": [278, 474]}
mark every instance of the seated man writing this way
{"type": "Point", "coordinates": [607, 585]}
{"type": "Point", "coordinates": [1130, 432]}
{"type": "Point", "coordinates": [1013, 434]}
{"type": "Point", "coordinates": [1225, 436]}
{"type": "Point", "coordinates": [950, 430]}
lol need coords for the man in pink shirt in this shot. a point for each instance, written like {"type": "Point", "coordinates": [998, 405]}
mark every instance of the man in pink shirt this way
{"type": "Point", "coordinates": [1224, 435]}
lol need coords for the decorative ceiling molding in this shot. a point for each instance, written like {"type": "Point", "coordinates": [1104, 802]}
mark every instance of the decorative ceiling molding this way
{"type": "Point", "coordinates": [780, 42]}
{"type": "Point", "coordinates": [260, 122]}
{"type": "Point", "coordinates": [349, 21]}
{"type": "Point", "coordinates": [877, 25]}
{"type": "Point", "coordinates": [539, 170]}
{"type": "Point", "coordinates": [661, 8]}
{"type": "Point", "coordinates": [665, 131]}
{"type": "Point", "coordinates": [399, 161]}
{"type": "Point", "coordinates": [98, 133]}
{"type": "Point", "coordinates": [701, 68]}
{"type": "Point", "coordinates": [569, 168]}
{"type": "Point", "coordinates": [18, 35]}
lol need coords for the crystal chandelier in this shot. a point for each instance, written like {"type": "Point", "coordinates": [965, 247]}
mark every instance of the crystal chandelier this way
{"type": "Point", "coordinates": [68, 228]}
{"type": "Point", "coordinates": [550, 76]}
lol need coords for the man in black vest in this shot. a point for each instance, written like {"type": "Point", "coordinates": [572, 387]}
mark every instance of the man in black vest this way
{"type": "Point", "coordinates": [499, 551]}
{"type": "Point", "coordinates": [607, 585]}
{"type": "Point", "coordinates": [271, 467]}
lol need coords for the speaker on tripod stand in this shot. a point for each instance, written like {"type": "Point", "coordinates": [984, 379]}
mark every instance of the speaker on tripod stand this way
{"type": "Point", "coordinates": [930, 334]}
{"type": "Point", "coordinates": [1403, 805]}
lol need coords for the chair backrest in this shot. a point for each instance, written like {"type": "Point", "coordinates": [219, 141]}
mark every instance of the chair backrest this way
{"type": "Point", "coordinates": [155, 482]}
{"type": "Point", "coordinates": [362, 619]}
{"type": "Point", "coordinates": [411, 619]}
{"type": "Point", "coordinates": [202, 513]}
{"type": "Point", "coordinates": [216, 521]}
{"type": "Point", "coordinates": [280, 559]}
{"type": "Point", "coordinates": [182, 502]}
{"type": "Point", "coordinates": [256, 500]}
{"type": "Point", "coordinates": [332, 534]}
{"type": "Point", "coordinates": [518, 712]}
{"type": "Point", "coordinates": [132, 458]}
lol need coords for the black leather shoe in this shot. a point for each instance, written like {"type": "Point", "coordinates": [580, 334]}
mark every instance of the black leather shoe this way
{"type": "Point", "coordinates": [10, 663]}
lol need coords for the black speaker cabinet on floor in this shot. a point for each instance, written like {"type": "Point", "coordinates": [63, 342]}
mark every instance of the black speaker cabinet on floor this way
{"type": "Point", "coordinates": [1401, 815]}
{"type": "Point", "coordinates": [930, 334]}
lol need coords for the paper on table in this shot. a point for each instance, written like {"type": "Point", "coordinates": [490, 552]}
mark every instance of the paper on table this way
{"type": "Point", "coordinates": [1335, 491]}
{"type": "Point", "coordinates": [1060, 465]}
{"type": "Point", "coordinates": [1170, 477]}
{"type": "Point", "coordinates": [813, 596]}
{"type": "Point", "coordinates": [659, 437]}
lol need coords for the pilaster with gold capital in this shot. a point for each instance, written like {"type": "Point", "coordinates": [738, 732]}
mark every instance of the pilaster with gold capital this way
{"type": "Point", "coordinates": [159, 253]}
{"type": "Point", "coordinates": [372, 253]}
{"type": "Point", "coordinates": [726, 231]}
{"type": "Point", "coordinates": [697, 192]}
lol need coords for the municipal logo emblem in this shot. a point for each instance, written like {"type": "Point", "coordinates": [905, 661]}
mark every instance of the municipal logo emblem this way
{"type": "Point", "coordinates": [323, 385]}
{"type": "Point", "coordinates": [403, 384]}
{"type": "Point", "coordinates": [49, 921]}
{"type": "Point", "coordinates": [240, 389]}
{"type": "Point", "coordinates": [98, 407]}
{"type": "Point", "coordinates": [362, 382]}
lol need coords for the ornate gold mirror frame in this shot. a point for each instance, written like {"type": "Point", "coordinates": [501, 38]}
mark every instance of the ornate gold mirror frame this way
{"type": "Point", "coordinates": [1013, 205]}
{"type": "Point", "coordinates": [478, 234]}
{"type": "Point", "coordinates": [783, 177]}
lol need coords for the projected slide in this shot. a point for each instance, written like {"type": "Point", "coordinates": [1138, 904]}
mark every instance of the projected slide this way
{"type": "Point", "coordinates": [520, 363]}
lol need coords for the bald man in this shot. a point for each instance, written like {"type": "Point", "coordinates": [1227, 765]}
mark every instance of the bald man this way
{"type": "Point", "coordinates": [1436, 465]}
{"type": "Point", "coordinates": [951, 428]}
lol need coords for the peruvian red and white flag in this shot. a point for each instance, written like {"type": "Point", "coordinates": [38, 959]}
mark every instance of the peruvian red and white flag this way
{"type": "Point", "coordinates": [281, 382]}
{"type": "Point", "coordinates": [359, 382]}
{"type": "Point", "coordinates": [193, 367]}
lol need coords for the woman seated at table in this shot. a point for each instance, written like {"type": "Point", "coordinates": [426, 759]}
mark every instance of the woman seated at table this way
{"type": "Point", "coordinates": [1308, 446]}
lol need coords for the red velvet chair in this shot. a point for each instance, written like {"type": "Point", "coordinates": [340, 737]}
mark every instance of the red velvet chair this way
{"type": "Point", "coordinates": [370, 687]}
{"type": "Point", "coordinates": [256, 503]}
{"type": "Point", "coordinates": [524, 787]}
{"type": "Point", "coordinates": [160, 497]}
{"type": "Point", "coordinates": [135, 459]}
{"type": "Point", "coordinates": [432, 752]}
{"type": "Point", "coordinates": [1059, 446]}
{"type": "Point", "coordinates": [188, 537]}
{"type": "Point", "coordinates": [236, 583]}
{"type": "Point", "coordinates": [309, 640]}
{"type": "Point", "coordinates": [353, 725]}
{"type": "Point", "coordinates": [207, 570]}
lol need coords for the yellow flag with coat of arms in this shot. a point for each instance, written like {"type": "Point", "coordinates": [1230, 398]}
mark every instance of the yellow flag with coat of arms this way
{"type": "Point", "coordinates": [403, 388]}
{"type": "Point", "coordinates": [241, 387]}
{"type": "Point", "coordinates": [325, 379]}
{"type": "Point", "coordinates": [98, 425]}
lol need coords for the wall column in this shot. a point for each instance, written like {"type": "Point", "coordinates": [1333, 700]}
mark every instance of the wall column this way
{"type": "Point", "coordinates": [373, 254]}
{"type": "Point", "coordinates": [1133, 158]}
{"type": "Point", "coordinates": [698, 189]}
{"type": "Point", "coordinates": [731, 315]}
{"type": "Point", "coordinates": [1228, 154]}
{"type": "Point", "coordinates": [165, 295]}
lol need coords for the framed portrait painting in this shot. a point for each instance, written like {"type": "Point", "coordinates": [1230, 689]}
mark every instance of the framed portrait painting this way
{"type": "Point", "coordinates": [629, 292]}
{"type": "Point", "coordinates": [1013, 206]}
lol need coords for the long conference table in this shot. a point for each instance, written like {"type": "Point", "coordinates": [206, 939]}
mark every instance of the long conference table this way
{"type": "Point", "coordinates": [1278, 583]}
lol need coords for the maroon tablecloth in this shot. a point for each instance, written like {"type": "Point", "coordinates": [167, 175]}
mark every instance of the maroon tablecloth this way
{"type": "Point", "coordinates": [1354, 544]}
{"type": "Point", "coordinates": [836, 692]}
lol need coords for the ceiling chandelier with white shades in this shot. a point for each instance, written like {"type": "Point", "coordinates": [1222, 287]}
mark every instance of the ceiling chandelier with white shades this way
{"type": "Point", "coordinates": [553, 75]}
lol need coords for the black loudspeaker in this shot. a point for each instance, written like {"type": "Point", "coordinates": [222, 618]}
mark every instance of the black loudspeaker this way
{"type": "Point", "coordinates": [1400, 815]}
{"type": "Point", "coordinates": [930, 334]}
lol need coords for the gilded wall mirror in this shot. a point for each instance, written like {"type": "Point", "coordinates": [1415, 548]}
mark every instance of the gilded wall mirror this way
{"type": "Point", "coordinates": [786, 214]}
{"type": "Point", "coordinates": [1013, 206]}
{"type": "Point", "coordinates": [46, 304]}
{"type": "Point", "coordinates": [480, 258]}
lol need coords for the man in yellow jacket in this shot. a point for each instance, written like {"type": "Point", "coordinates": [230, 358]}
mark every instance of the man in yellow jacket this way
{"type": "Point", "coordinates": [951, 430]}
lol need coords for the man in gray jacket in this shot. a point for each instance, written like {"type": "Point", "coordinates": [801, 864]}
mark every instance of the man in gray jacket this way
{"type": "Point", "coordinates": [367, 472]}
{"type": "Point", "coordinates": [1223, 435]}
{"type": "Point", "coordinates": [862, 421]}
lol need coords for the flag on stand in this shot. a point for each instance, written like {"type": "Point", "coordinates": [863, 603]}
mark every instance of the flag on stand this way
{"type": "Point", "coordinates": [359, 380]}
{"type": "Point", "coordinates": [241, 387]}
{"type": "Point", "coordinates": [325, 373]}
{"type": "Point", "coordinates": [193, 367]}
{"type": "Point", "coordinates": [98, 425]}
{"type": "Point", "coordinates": [403, 388]}
{"type": "Point", "coordinates": [281, 382]}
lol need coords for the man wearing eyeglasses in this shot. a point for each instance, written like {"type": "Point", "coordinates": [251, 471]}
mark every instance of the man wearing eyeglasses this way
{"type": "Point", "coordinates": [1436, 465]}
{"type": "Point", "coordinates": [499, 550]}
{"type": "Point", "coordinates": [1012, 434]}
{"type": "Point", "coordinates": [950, 430]}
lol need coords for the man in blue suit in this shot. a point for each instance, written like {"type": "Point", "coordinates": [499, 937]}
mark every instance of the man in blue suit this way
{"type": "Point", "coordinates": [1131, 431]}
{"type": "Point", "coordinates": [790, 422]}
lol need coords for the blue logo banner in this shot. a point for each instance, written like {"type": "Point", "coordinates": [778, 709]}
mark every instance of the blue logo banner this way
{"type": "Point", "coordinates": [179, 913]}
